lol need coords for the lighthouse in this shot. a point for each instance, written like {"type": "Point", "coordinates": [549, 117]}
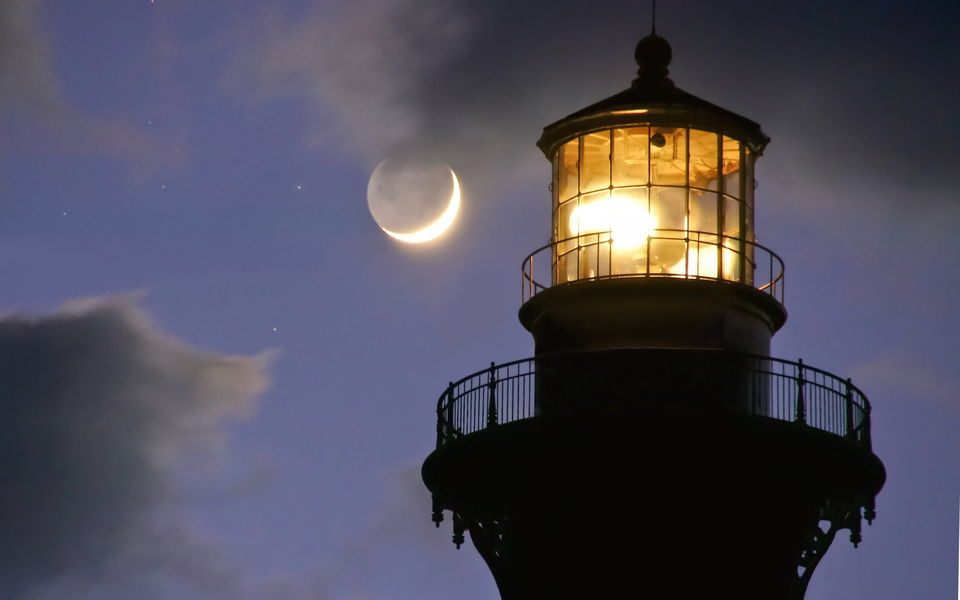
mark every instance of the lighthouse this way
{"type": "Point", "coordinates": [652, 444]}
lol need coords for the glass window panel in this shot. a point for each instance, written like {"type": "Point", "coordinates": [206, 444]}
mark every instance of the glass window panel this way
{"type": "Point", "coordinates": [731, 216]}
{"type": "Point", "coordinates": [593, 214]}
{"type": "Point", "coordinates": [595, 166]}
{"type": "Point", "coordinates": [668, 209]}
{"type": "Point", "coordinates": [603, 256]}
{"type": "Point", "coordinates": [630, 220]}
{"type": "Point", "coordinates": [731, 260]}
{"type": "Point", "coordinates": [731, 167]}
{"type": "Point", "coordinates": [666, 256]}
{"type": "Point", "coordinates": [630, 156]}
{"type": "Point", "coordinates": [750, 237]}
{"type": "Point", "coordinates": [569, 169]}
{"type": "Point", "coordinates": [703, 159]}
{"type": "Point", "coordinates": [594, 256]}
{"type": "Point", "coordinates": [567, 267]}
{"type": "Point", "coordinates": [703, 211]}
{"type": "Point", "coordinates": [629, 259]}
{"type": "Point", "coordinates": [668, 156]}
{"type": "Point", "coordinates": [702, 255]}
{"type": "Point", "coordinates": [566, 224]}
{"type": "Point", "coordinates": [554, 232]}
{"type": "Point", "coordinates": [555, 182]}
{"type": "Point", "coordinates": [636, 196]}
{"type": "Point", "coordinates": [750, 182]}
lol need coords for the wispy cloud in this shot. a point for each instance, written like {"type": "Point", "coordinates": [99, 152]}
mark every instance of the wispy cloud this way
{"type": "Point", "coordinates": [30, 91]}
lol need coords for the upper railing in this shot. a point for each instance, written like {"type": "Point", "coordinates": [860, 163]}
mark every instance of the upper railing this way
{"type": "Point", "coordinates": [771, 387]}
{"type": "Point", "coordinates": [692, 255]}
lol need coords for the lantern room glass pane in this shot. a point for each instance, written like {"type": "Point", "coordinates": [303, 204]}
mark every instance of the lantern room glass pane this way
{"type": "Point", "coordinates": [702, 256]}
{"type": "Point", "coordinates": [631, 156]}
{"type": "Point", "coordinates": [731, 167]}
{"type": "Point", "coordinates": [566, 225]}
{"type": "Point", "coordinates": [595, 166]}
{"type": "Point", "coordinates": [731, 260]}
{"type": "Point", "coordinates": [555, 183]}
{"type": "Point", "coordinates": [750, 182]}
{"type": "Point", "coordinates": [703, 159]}
{"type": "Point", "coordinates": [668, 209]}
{"type": "Point", "coordinates": [567, 266]}
{"type": "Point", "coordinates": [595, 256]}
{"type": "Point", "coordinates": [569, 169]}
{"type": "Point", "coordinates": [666, 256]}
{"type": "Point", "coordinates": [731, 217]}
{"type": "Point", "coordinates": [593, 214]}
{"type": "Point", "coordinates": [668, 156]}
{"type": "Point", "coordinates": [630, 220]}
{"type": "Point", "coordinates": [703, 211]}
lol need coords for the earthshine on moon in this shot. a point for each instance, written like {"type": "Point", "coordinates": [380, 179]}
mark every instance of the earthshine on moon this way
{"type": "Point", "coordinates": [414, 197]}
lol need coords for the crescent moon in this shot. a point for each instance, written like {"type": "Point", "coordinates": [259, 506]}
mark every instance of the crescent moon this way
{"type": "Point", "coordinates": [438, 226]}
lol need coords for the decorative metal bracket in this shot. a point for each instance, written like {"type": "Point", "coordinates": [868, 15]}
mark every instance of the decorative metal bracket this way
{"type": "Point", "coordinates": [840, 513]}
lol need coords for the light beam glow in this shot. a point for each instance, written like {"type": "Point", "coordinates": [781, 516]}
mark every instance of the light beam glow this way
{"type": "Point", "coordinates": [629, 223]}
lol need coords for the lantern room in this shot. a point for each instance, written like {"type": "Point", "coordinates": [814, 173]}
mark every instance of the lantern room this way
{"type": "Point", "coordinates": [653, 182]}
{"type": "Point", "coordinates": [663, 201]}
{"type": "Point", "coordinates": [653, 201]}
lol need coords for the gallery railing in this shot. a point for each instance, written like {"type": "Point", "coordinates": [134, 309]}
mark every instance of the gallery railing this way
{"type": "Point", "coordinates": [674, 253]}
{"type": "Point", "coordinates": [772, 388]}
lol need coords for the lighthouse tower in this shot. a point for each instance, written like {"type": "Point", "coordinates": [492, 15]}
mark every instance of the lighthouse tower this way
{"type": "Point", "coordinates": [652, 443]}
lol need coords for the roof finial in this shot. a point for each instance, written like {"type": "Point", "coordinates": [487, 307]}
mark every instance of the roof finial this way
{"type": "Point", "coordinates": [653, 55]}
{"type": "Point", "coordinates": [654, 29]}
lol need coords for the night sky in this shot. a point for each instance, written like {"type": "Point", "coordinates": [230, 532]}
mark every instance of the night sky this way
{"type": "Point", "coordinates": [218, 376]}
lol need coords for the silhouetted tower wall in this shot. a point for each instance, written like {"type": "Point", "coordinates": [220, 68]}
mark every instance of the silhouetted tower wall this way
{"type": "Point", "coordinates": [652, 443]}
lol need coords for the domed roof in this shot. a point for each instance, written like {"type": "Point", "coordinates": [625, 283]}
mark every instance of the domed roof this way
{"type": "Point", "coordinates": [653, 99]}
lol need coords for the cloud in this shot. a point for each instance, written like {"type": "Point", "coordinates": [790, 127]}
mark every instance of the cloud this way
{"type": "Point", "coordinates": [98, 410]}
{"type": "Point", "coordinates": [27, 79]}
{"type": "Point", "coordinates": [852, 98]}
{"type": "Point", "coordinates": [29, 86]}
{"type": "Point", "coordinates": [366, 63]}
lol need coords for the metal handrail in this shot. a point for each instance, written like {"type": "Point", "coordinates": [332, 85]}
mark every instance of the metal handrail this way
{"type": "Point", "coordinates": [772, 284]}
{"type": "Point", "coordinates": [791, 391]}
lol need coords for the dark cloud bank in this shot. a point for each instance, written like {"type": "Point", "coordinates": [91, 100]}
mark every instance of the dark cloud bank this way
{"type": "Point", "coordinates": [97, 411]}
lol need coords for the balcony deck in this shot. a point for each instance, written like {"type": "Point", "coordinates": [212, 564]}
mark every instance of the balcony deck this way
{"type": "Point", "coordinates": [764, 387]}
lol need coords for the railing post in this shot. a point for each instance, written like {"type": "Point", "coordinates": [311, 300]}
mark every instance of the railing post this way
{"type": "Point", "coordinates": [648, 254]}
{"type": "Point", "coordinates": [801, 402]}
{"type": "Point", "coordinates": [865, 440]}
{"type": "Point", "coordinates": [523, 282]}
{"type": "Point", "coordinates": [492, 402]}
{"type": "Point", "coordinates": [851, 430]}
{"type": "Point", "coordinates": [449, 416]}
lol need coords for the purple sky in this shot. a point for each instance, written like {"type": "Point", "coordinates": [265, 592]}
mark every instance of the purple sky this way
{"type": "Point", "coordinates": [213, 157]}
